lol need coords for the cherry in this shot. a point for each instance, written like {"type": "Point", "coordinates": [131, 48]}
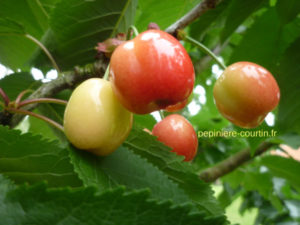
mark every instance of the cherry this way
{"type": "Point", "coordinates": [94, 120]}
{"type": "Point", "coordinates": [151, 72]}
{"type": "Point", "coordinates": [245, 93]}
{"type": "Point", "coordinates": [177, 133]}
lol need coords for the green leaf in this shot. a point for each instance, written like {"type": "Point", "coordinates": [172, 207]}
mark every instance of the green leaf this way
{"type": "Point", "coordinates": [288, 191]}
{"type": "Point", "coordinates": [30, 14]}
{"type": "Point", "coordinates": [146, 121]}
{"type": "Point", "coordinates": [31, 18]}
{"type": "Point", "coordinates": [48, 5]}
{"type": "Point", "coordinates": [14, 83]}
{"type": "Point", "coordinates": [290, 33]}
{"type": "Point", "coordinates": [209, 20]}
{"type": "Point", "coordinates": [257, 135]}
{"type": "Point", "coordinates": [291, 139]}
{"type": "Point", "coordinates": [289, 107]}
{"type": "Point", "coordinates": [56, 113]}
{"type": "Point", "coordinates": [276, 202]}
{"type": "Point", "coordinates": [27, 158]}
{"type": "Point", "coordinates": [283, 167]}
{"type": "Point", "coordinates": [180, 172]}
{"type": "Point", "coordinates": [15, 51]}
{"type": "Point", "coordinates": [251, 179]}
{"type": "Point", "coordinates": [9, 27]}
{"type": "Point", "coordinates": [78, 26]}
{"type": "Point", "coordinates": [287, 10]}
{"type": "Point", "coordinates": [39, 205]}
{"type": "Point", "coordinates": [235, 178]}
{"type": "Point", "coordinates": [164, 13]}
{"type": "Point", "coordinates": [265, 187]}
{"type": "Point", "coordinates": [125, 168]}
{"type": "Point", "coordinates": [259, 40]}
{"type": "Point", "coordinates": [40, 127]}
{"type": "Point", "coordinates": [244, 8]}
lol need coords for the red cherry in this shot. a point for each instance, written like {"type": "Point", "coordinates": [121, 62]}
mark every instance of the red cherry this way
{"type": "Point", "coordinates": [151, 72]}
{"type": "Point", "coordinates": [177, 133]}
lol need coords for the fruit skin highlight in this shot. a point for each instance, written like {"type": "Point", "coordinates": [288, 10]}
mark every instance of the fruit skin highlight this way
{"type": "Point", "coordinates": [177, 133]}
{"type": "Point", "coordinates": [94, 120]}
{"type": "Point", "coordinates": [151, 72]}
{"type": "Point", "coordinates": [245, 93]}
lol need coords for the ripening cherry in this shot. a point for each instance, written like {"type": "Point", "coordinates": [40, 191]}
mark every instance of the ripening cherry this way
{"type": "Point", "coordinates": [245, 93]}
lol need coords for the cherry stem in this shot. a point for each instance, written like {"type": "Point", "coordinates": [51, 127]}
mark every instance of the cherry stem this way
{"type": "Point", "coordinates": [135, 31]}
{"type": "Point", "coordinates": [46, 119]}
{"type": "Point", "coordinates": [41, 100]}
{"type": "Point", "coordinates": [106, 74]}
{"type": "Point", "coordinates": [205, 50]}
{"type": "Point", "coordinates": [45, 50]}
{"type": "Point", "coordinates": [161, 113]}
{"type": "Point", "coordinates": [20, 96]}
{"type": "Point", "coordinates": [4, 97]}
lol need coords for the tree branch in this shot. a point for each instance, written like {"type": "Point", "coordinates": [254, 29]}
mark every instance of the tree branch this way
{"type": "Point", "coordinates": [192, 15]}
{"type": "Point", "coordinates": [67, 81]}
{"type": "Point", "coordinates": [231, 163]}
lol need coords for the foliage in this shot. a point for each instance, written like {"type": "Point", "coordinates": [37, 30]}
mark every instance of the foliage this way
{"type": "Point", "coordinates": [45, 180]}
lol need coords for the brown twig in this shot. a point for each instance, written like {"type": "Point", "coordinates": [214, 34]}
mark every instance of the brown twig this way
{"type": "Point", "coordinates": [192, 15]}
{"type": "Point", "coordinates": [231, 163]}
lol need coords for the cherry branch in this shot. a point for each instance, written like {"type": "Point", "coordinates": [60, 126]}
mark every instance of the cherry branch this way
{"type": "Point", "coordinates": [192, 15]}
{"type": "Point", "coordinates": [232, 163]}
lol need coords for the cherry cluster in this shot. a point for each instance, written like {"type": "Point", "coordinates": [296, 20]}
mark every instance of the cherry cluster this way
{"type": "Point", "coordinates": [154, 72]}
